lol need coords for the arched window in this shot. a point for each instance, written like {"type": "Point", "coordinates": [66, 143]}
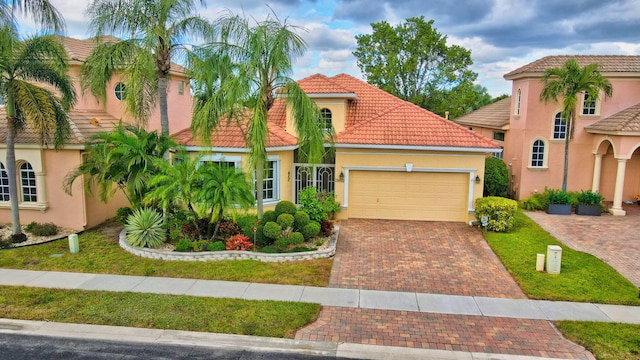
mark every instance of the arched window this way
{"type": "Point", "coordinates": [28, 183]}
{"type": "Point", "coordinates": [537, 153]}
{"type": "Point", "coordinates": [119, 91]}
{"type": "Point", "coordinates": [518, 99]}
{"type": "Point", "coordinates": [559, 126]}
{"type": "Point", "coordinates": [4, 184]}
{"type": "Point", "coordinates": [325, 119]}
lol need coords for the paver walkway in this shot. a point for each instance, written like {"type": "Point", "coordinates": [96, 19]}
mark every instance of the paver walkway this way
{"type": "Point", "coordinates": [436, 258]}
{"type": "Point", "coordinates": [613, 239]}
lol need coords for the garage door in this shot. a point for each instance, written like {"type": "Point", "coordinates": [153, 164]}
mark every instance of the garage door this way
{"type": "Point", "coordinates": [408, 195]}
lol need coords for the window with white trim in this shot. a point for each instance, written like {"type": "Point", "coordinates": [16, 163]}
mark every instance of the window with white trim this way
{"type": "Point", "coordinates": [559, 127]}
{"type": "Point", "coordinates": [28, 183]}
{"type": "Point", "coordinates": [271, 181]}
{"type": "Point", "coordinates": [119, 91]}
{"type": "Point", "coordinates": [4, 184]}
{"type": "Point", "coordinates": [537, 153]}
{"type": "Point", "coordinates": [230, 161]}
{"type": "Point", "coordinates": [499, 155]}
{"type": "Point", "coordinates": [589, 106]}
{"type": "Point", "coordinates": [325, 119]}
{"type": "Point", "coordinates": [518, 99]}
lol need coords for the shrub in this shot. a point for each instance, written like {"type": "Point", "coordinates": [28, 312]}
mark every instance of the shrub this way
{"type": "Point", "coordinates": [310, 230]}
{"type": "Point", "coordinates": [589, 198]}
{"type": "Point", "coordinates": [532, 203]}
{"type": "Point", "coordinates": [285, 207]}
{"type": "Point", "coordinates": [18, 238]}
{"type": "Point", "coordinates": [216, 246]}
{"type": "Point", "coordinates": [319, 205]}
{"type": "Point", "coordinates": [4, 242]}
{"type": "Point", "coordinates": [145, 228]}
{"type": "Point", "coordinates": [190, 230]}
{"type": "Point", "coordinates": [183, 245]}
{"type": "Point", "coordinates": [498, 211]}
{"type": "Point", "coordinates": [238, 242]}
{"type": "Point", "coordinates": [557, 196]}
{"type": "Point", "coordinates": [37, 229]}
{"type": "Point", "coordinates": [301, 218]}
{"type": "Point", "coordinates": [282, 243]}
{"type": "Point", "coordinates": [123, 213]}
{"type": "Point", "coordinates": [296, 238]}
{"type": "Point", "coordinates": [285, 220]}
{"type": "Point", "coordinates": [272, 230]}
{"type": "Point", "coordinates": [228, 228]}
{"type": "Point", "coordinates": [269, 216]}
{"type": "Point", "coordinates": [326, 227]}
{"type": "Point", "coordinates": [199, 245]}
{"type": "Point", "coordinates": [496, 177]}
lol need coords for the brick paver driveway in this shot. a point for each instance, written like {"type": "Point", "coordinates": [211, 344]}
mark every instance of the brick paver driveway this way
{"type": "Point", "coordinates": [419, 256]}
{"type": "Point", "coordinates": [429, 257]}
{"type": "Point", "coordinates": [613, 239]}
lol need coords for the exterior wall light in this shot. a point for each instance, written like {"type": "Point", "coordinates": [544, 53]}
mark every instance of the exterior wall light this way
{"type": "Point", "coordinates": [477, 179]}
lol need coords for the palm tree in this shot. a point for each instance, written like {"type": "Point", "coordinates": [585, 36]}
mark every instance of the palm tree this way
{"type": "Point", "coordinates": [567, 82]}
{"type": "Point", "coordinates": [125, 158]}
{"type": "Point", "coordinates": [31, 72]}
{"type": "Point", "coordinates": [241, 76]}
{"type": "Point", "coordinates": [43, 12]}
{"type": "Point", "coordinates": [223, 187]}
{"type": "Point", "coordinates": [154, 32]}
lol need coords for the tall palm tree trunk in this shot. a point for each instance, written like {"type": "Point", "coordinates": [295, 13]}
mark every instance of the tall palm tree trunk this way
{"type": "Point", "coordinates": [162, 97]}
{"type": "Point", "coordinates": [11, 167]}
{"type": "Point", "coordinates": [567, 139]}
{"type": "Point", "coordinates": [259, 188]}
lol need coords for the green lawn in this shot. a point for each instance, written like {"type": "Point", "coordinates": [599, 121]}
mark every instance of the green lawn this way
{"type": "Point", "coordinates": [100, 253]}
{"type": "Point", "coordinates": [583, 278]}
{"type": "Point", "coordinates": [606, 341]}
{"type": "Point", "coordinates": [229, 316]}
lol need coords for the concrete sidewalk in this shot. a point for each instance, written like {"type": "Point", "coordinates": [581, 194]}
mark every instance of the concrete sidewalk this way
{"type": "Point", "coordinates": [350, 298]}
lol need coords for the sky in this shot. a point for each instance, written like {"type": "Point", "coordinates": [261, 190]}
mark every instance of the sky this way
{"type": "Point", "coordinates": [501, 34]}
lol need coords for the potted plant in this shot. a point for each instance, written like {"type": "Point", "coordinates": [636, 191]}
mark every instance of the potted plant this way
{"type": "Point", "coordinates": [589, 203]}
{"type": "Point", "coordinates": [559, 202]}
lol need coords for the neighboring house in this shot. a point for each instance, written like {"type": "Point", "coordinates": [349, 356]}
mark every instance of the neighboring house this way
{"type": "Point", "coordinates": [41, 170]}
{"type": "Point", "coordinates": [604, 155]}
{"type": "Point", "coordinates": [393, 159]}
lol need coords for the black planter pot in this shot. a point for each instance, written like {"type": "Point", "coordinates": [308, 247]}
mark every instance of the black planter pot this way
{"type": "Point", "coordinates": [559, 209]}
{"type": "Point", "coordinates": [590, 210]}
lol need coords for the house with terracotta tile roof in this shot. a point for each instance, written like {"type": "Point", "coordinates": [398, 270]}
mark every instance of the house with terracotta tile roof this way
{"type": "Point", "coordinates": [604, 155]}
{"type": "Point", "coordinates": [41, 169]}
{"type": "Point", "coordinates": [392, 159]}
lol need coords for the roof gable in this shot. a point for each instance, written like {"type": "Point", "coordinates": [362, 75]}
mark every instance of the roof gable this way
{"type": "Point", "coordinates": [495, 115]}
{"type": "Point", "coordinates": [233, 136]}
{"type": "Point", "coordinates": [627, 120]}
{"type": "Point", "coordinates": [606, 64]}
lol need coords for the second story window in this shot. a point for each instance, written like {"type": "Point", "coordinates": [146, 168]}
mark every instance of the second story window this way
{"type": "Point", "coordinates": [325, 119]}
{"type": "Point", "coordinates": [588, 105]}
{"type": "Point", "coordinates": [180, 87]}
{"type": "Point", "coordinates": [559, 127]}
{"type": "Point", "coordinates": [498, 135]}
{"type": "Point", "coordinates": [119, 91]}
{"type": "Point", "coordinates": [518, 100]}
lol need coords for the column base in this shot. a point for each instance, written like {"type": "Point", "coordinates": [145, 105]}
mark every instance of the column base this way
{"type": "Point", "coordinates": [617, 212]}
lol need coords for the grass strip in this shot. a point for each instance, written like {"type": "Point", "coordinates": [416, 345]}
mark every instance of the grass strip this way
{"type": "Point", "coordinates": [156, 311]}
{"type": "Point", "coordinates": [607, 341]}
{"type": "Point", "coordinates": [100, 253]}
{"type": "Point", "coordinates": [583, 277]}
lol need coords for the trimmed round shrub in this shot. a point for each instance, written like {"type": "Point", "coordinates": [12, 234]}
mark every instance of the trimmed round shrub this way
{"type": "Point", "coordinates": [301, 219]}
{"type": "Point", "coordinates": [285, 220]}
{"type": "Point", "coordinates": [183, 245]}
{"type": "Point", "coordinates": [282, 243]}
{"type": "Point", "coordinates": [145, 228]}
{"type": "Point", "coordinates": [272, 230]}
{"type": "Point", "coordinates": [199, 245]}
{"type": "Point", "coordinates": [497, 212]}
{"type": "Point", "coordinates": [269, 216]}
{"type": "Point", "coordinates": [310, 230]}
{"type": "Point", "coordinates": [216, 246]}
{"type": "Point", "coordinates": [296, 238]}
{"type": "Point", "coordinates": [286, 207]}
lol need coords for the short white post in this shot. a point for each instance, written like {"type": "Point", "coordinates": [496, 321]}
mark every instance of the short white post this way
{"type": "Point", "coordinates": [74, 247]}
{"type": "Point", "coordinates": [554, 259]}
{"type": "Point", "coordinates": [540, 262]}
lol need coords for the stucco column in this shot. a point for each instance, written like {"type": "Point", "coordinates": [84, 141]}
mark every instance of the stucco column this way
{"type": "Point", "coordinates": [597, 169]}
{"type": "Point", "coordinates": [41, 189]}
{"type": "Point", "coordinates": [617, 195]}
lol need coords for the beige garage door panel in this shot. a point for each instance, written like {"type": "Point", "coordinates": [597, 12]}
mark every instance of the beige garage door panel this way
{"type": "Point", "coordinates": [408, 196]}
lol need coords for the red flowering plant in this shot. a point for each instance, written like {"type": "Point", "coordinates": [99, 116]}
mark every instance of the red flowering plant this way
{"type": "Point", "coordinates": [239, 242]}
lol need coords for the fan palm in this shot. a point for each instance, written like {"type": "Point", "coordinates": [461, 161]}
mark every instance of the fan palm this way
{"type": "Point", "coordinates": [239, 77]}
{"type": "Point", "coordinates": [567, 82]}
{"type": "Point", "coordinates": [30, 72]}
{"type": "Point", "coordinates": [153, 33]}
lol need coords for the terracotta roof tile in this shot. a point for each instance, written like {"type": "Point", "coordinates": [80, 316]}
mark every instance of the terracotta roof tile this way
{"type": "Point", "coordinates": [84, 124]}
{"type": "Point", "coordinates": [495, 115]}
{"type": "Point", "coordinates": [233, 136]}
{"type": "Point", "coordinates": [606, 64]}
{"type": "Point", "coordinates": [320, 84]}
{"type": "Point", "coordinates": [627, 120]}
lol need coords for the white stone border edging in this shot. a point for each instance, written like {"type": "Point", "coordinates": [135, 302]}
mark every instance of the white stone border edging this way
{"type": "Point", "coordinates": [231, 255]}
